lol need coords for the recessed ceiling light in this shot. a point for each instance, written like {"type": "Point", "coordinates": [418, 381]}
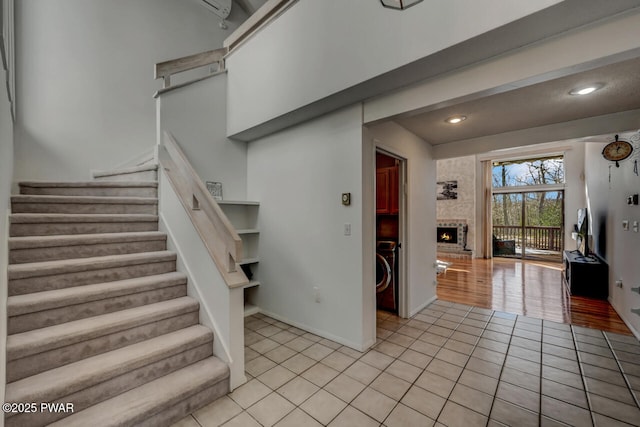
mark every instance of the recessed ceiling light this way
{"type": "Point", "coordinates": [585, 90]}
{"type": "Point", "coordinates": [455, 119]}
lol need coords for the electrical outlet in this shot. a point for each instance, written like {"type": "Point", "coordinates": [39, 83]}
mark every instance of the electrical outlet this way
{"type": "Point", "coordinates": [619, 283]}
{"type": "Point", "coordinates": [347, 229]}
{"type": "Point", "coordinates": [635, 226]}
{"type": "Point", "coordinates": [625, 225]}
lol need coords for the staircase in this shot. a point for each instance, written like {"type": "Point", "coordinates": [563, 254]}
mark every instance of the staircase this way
{"type": "Point", "coordinates": [98, 315]}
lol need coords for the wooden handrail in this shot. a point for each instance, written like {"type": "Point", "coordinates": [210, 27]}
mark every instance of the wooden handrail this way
{"type": "Point", "coordinates": [166, 69]}
{"type": "Point", "coordinates": [218, 235]}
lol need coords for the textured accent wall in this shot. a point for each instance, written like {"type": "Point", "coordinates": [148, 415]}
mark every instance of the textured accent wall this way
{"type": "Point", "coordinates": [463, 170]}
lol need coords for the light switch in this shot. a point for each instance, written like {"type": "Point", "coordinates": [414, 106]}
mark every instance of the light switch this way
{"type": "Point", "coordinates": [625, 225]}
{"type": "Point", "coordinates": [635, 226]}
{"type": "Point", "coordinates": [347, 229]}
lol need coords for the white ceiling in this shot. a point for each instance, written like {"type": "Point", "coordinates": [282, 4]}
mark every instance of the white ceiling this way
{"type": "Point", "coordinates": [532, 106]}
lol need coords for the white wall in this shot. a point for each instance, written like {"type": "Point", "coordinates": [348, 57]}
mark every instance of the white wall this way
{"type": "Point", "coordinates": [318, 48]}
{"type": "Point", "coordinates": [420, 243]}
{"type": "Point", "coordinates": [298, 176]}
{"type": "Point", "coordinates": [6, 171]}
{"type": "Point", "coordinates": [196, 116]}
{"type": "Point", "coordinates": [85, 78]}
{"type": "Point", "coordinates": [608, 208]}
{"type": "Point", "coordinates": [463, 170]}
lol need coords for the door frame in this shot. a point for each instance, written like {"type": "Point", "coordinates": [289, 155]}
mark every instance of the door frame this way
{"type": "Point", "coordinates": [402, 251]}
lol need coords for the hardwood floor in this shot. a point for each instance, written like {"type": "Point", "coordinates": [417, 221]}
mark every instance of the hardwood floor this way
{"type": "Point", "coordinates": [531, 288]}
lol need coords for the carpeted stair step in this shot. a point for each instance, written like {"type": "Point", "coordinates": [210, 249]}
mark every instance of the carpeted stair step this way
{"type": "Point", "coordinates": [147, 172]}
{"type": "Point", "coordinates": [42, 309]}
{"type": "Point", "coordinates": [96, 379]}
{"type": "Point", "coordinates": [36, 351]}
{"type": "Point", "coordinates": [27, 224]}
{"type": "Point", "coordinates": [26, 203]}
{"type": "Point", "coordinates": [49, 275]}
{"type": "Point", "coordinates": [50, 248]}
{"type": "Point", "coordinates": [161, 402]}
{"type": "Point", "coordinates": [92, 188]}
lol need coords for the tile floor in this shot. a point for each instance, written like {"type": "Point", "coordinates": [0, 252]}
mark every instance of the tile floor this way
{"type": "Point", "coordinates": [450, 365]}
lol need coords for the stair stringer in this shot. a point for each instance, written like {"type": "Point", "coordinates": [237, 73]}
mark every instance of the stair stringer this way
{"type": "Point", "coordinates": [221, 307]}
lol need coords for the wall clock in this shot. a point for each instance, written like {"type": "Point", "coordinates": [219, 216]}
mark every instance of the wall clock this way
{"type": "Point", "coordinates": [617, 150]}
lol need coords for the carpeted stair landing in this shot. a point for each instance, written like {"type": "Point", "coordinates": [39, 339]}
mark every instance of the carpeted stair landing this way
{"type": "Point", "coordinates": [98, 316]}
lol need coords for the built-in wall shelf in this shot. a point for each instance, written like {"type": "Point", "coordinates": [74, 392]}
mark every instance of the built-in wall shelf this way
{"type": "Point", "coordinates": [242, 231]}
{"type": "Point", "coordinates": [243, 215]}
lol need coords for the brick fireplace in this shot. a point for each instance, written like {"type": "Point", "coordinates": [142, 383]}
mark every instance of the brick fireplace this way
{"type": "Point", "coordinates": [451, 237]}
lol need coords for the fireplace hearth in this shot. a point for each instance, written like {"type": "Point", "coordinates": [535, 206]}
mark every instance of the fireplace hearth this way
{"type": "Point", "coordinates": [451, 237]}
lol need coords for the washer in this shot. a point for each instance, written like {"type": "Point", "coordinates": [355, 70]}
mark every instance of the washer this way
{"type": "Point", "coordinates": [386, 273]}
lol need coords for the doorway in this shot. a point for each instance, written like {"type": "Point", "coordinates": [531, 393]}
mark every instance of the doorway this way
{"type": "Point", "coordinates": [390, 173]}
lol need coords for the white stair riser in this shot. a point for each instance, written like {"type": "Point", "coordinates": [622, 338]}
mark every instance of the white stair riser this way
{"type": "Point", "coordinates": [104, 390]}
{"type": "Point", "coordinates": [46, 283]}
{"type": "Point", "coordinates": [92, 191]}
{"type": "Point", "coordinates": [86, 208]}
{"type": "Point", "coordinates": [35, 254]}
{"type": "Point", "coordinates": [62, 228]}
{"type": "Point", "coordinates": [150, 175]}
{"type": "Point", "coordinates": [40, 362]}
{"type": "Point", "coordinates": [44, 318]}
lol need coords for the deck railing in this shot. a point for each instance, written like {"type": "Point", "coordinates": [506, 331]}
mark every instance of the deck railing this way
{"type": "Point", "coordinates": [535, 237]}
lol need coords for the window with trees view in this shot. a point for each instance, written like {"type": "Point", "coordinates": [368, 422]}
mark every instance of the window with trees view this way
{"type": "Point", "coordinates": [528, 205]}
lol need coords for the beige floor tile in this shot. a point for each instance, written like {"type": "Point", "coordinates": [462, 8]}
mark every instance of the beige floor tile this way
{"type": "Point", "coordinates": [299, 344]}
{"type": "Point", "coordinates": [521, 379]}
{"type": "Point", "coordinates": [390, 349]}
{"type": "Point", "coordinates": [268, 331]}
{"type": "Point", "coordinates": [298, 418]}
{"type": "Point", "coordinates": [445, 369]}
{"type": "Point", "coordinates": [362, 372]}
{"type": "Point", "coordinates": [459, 346]}
{"type": "Point", "coordinates": [271, 409]}
{"type": "Point", "coordinates": [276, 377]}
{"type": "Point", "coordinates": [563, 392]}
{"type": "Point", "coordinates": [250, 354]}
{"type": "Point", "coordinates": [488, 355]}
{"type": "Point", "coordinates": [452, 357]}
{"type": "Point", "coordinates": [258, 366]}
{"type": "Point", "coordinates": [483, 367]}
{"type": "Point", "coordinates": [410, 331]}
{"type": "Point", "coordinates": [338, 361]}
{"type": "Point", "coordinates": [298, 363]}
{"type": "Point", "coordinates": [351, 417]}
{"type": "Point", "coordinates": [565, 412]}
{"type": "Point", "coordinates": [187, 421]}
{"type": "Point", "coordinates": [423, 401]}
{"type": "Point", "coordinates": [604, 421]}
{"type": "Point", "coordinates": [404, 370]}
{"type": "Point", "coordinates": [374, 404]}
{"type": "Point", "coordinates": [249, 393]}
{"type": "Point", "coordinates": [562, 377]}
{"type": "Point", "coordinates": [312, 337]}
{"type": "Point", "coordinates": [614, 409]}
{"type": "Point", "coordinates": [323, 406]}
{"type": "Point", "coordinates": [435, 384]}
{"type": "Point", "coordinates": [242, 420]}
{"type": "Point", "coordinates": [251, 338]}
{"type": "Point", "coordinates": [472, 399]}
{"type": "Point", "coordinates": [519, 396]}
{"type": "Point", "coordinates": [351, 352]}
{"type": "Point", "coordinates": [554, 350]}
{"type": "Point", "coordinates": [454, 415]}
{"type": "Point", "coordinates": [280, 354]}
{"type": "Point", "coordinates": [345, 387]}
{"type": "Point", "coordinates": [525, 353]}
{"type": "Point", "coordinates": [522, 365]}
{"type": "Point", "coordinates": [264, 345]}
{"type": "Point", "coordinates": [478, 381]}
{"type": "Point", "coordinates": [218, 412]}
{"type": "Point", "coordinates": [283, 337]}
{"type": "Point", "coordinates": [377, 359]}
{"type": "Point", "coordinates": [403, 416]}
{"type": "Point", "coordinates": [512, 415]}
{"type": "Point", "coordinates": [561, 363]}
{"type": "Point", "coordinates": [320, 374]}
{"type": "Point", "coordinates": [298, 390]}
{"type": "Point", "coordinates": [390, 386]}
{"type": "Point", "coordinates": [434, 339]}
{"type": "Point", "coordinates": [497, 336]}
{"type": "Point", "coordinates": [317, 351]}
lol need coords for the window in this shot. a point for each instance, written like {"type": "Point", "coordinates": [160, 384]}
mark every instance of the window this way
{"type": "Point", "coordinates": [539, 171]}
